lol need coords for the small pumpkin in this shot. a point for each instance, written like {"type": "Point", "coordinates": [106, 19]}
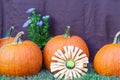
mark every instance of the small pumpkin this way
{"type": "Point", "coordinates": [20, 58]}
{"type": "Point", "coordinates": [107, 59]}
{"type": "Point", "coordinates": [7, 39]}
{"type": "Point", "coordinates": [58, 42]}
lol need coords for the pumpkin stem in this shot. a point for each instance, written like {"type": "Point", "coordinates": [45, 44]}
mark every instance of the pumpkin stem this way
{"type": "Point", "coordinates": [117, 38]}
{"type": "Point", "coordinates": [17, 39]}
{"type": "Point", "coordinates": [67, 32]}
{"type": "Point", "coordinates": [9, 31]}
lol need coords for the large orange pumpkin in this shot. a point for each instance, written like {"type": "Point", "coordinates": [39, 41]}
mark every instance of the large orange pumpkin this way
{"type": "Point", "coordinates": [20, 58]}
{"type": "Point", "coordinates": [107, 59]}
{"type": "Point", "coordinates": [7, 39]}
{"type": "Point", "coordinates": [58, 42]}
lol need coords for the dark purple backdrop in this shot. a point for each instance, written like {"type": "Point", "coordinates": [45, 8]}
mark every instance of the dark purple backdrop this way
{"type": "Point", "coordinates": [96, 21]}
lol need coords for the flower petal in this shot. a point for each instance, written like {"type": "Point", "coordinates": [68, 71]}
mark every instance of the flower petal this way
{"type": "Point", "coordinates": [40, 23]}
{"type": "Point", "coordinates": [26, 23]}
{"type": "Point", "coordinates": [57, 59]}
{"type": "Point", "coordinates": [30, 10]}
{"type": "Point", "coordinates": [45, 17]}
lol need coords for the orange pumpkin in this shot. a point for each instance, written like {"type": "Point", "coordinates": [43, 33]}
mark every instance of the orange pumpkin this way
{"type": "Point", "coordinates": [58, 42]}
{"type": "Point", "coordinates": [107, 59]}
{"type": "Point", "coordinates": [7, 39]}
{"type": "Point", "coordinates": [20, 58]}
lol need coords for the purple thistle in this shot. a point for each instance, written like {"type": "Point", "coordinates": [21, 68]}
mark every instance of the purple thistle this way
{"type": "Point", "coordinates": [30, 10]}
{"type": "Point", "coordinates": [26, 23]}
{"type": "Point", "coordinates": [40, 23]}
{"type": "Point", "coordinates": [47, 16]}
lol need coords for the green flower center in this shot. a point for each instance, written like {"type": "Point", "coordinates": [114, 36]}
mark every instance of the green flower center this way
{"type": "Point", "coordinates": [70, 64]}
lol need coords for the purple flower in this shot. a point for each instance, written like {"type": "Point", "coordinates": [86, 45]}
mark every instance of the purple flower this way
{"type": "Point", "coordinates": [40, 23]}
{"type": "Point", "coordinates": [30, 10]}
{"type": "Point", "coordinates": [47, 16]}
{"type": "Point", "coordinates": [26, 23]}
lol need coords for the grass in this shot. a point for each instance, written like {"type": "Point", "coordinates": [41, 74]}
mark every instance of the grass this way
{"type": "Point", "coordinates": [46, 75]}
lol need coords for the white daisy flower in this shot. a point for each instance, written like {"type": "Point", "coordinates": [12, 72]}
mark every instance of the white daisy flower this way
{"type": "Point", "coordinates": [69, 64]}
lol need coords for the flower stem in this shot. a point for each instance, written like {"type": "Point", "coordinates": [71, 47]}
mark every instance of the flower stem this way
{"type": "Point", "coordinates": [17, 39]}
{"type": "Point", "coordinates": [67, 33]}
{"type": "Point", "coordinates": [9, 31]}
{"type": "Point", "coordinates": [117, 38]}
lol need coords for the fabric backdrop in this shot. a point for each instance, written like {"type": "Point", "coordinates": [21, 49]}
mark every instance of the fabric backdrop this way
{"type": "Point", "coordinates": [96, 21]}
